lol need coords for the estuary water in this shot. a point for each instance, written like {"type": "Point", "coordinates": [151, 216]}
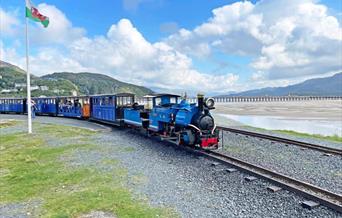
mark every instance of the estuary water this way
{"type": "Point", "coordinates": [304, 125]}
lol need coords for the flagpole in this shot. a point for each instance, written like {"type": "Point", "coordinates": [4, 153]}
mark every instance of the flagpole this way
{"type": "Point", "coordinates": [29, 117]}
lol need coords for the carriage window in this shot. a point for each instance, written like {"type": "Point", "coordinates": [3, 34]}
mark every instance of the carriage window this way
{"type": "Point", "coordinates": [173, 100]}
{"type": "Point", "coordinates": [129, 100]}
{"type": "Point", "coordinates": [158, 101]}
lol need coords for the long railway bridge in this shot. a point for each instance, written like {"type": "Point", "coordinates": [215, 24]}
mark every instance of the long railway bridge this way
{"type": "Point", "coordinates": [272, 98]}
{"type": "Point", "coordinates": [261, 99]}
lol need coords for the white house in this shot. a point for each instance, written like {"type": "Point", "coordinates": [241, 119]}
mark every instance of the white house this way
{"type": "Point", "coordinates": [34, 88]}
{"type": "Point", "coordinates": [19, 85]}
{"type": "Point", "coordinates": [9, 90]}
{"type": "Point", "coordinates": [5, 91]}
{"type": "Point", "coordinates": [44, 88]}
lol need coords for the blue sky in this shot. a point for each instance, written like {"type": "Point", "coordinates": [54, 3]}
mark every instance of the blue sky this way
{"type": "Point", "coordinates": [239, 57]}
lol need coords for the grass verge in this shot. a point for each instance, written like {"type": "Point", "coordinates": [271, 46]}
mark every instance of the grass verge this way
{"type": "Point", "coordinates": [7, 123]}
{"type": "Point", "coordinates": [334, 138]}
{"type": "Point", "coordinates": [32, 170]}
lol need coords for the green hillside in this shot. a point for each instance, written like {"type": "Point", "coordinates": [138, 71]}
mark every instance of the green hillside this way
{"type": "Point", "coordinates": [91, 83]}
{"type": "Point", "coordinates": [13, 80]}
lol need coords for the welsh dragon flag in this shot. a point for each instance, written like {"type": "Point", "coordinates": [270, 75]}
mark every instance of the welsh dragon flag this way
{"type": "Point", "coordinates": [34, 14]}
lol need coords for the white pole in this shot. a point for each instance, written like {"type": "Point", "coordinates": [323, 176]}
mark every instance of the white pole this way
{"type": "Point", "coordinates": [29, 118]}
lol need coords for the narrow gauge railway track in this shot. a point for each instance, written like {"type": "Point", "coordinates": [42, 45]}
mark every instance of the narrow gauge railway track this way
{"type": "Point", "coordinates": [321, 148]}
{"type": "Point", "coordinates": [324, 197]}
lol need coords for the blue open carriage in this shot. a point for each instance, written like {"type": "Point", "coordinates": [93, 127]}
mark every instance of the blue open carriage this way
{"type": "Point", "coordinates": [71, 106]}
{"type": "Point", "coordinates": [12, 105]}
{"type": "Point", "coordinates": [110, 108]}
{"type": "Point", "coordinates": [45, 106]}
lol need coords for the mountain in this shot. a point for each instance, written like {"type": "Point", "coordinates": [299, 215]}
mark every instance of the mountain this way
{"type": "Point", "coordinates": [91, 83]}
{"type": "Point", "coordinates": [317, 87]}
{"type": "Point", "coordinates": [13, 83]}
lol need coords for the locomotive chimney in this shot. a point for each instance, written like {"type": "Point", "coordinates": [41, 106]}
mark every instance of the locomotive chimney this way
{"type": "Point", "coordinates": [200, 101]}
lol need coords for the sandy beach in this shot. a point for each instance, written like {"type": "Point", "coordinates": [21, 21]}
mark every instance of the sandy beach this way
{"type": "Point", "coordinates": [328, 110]}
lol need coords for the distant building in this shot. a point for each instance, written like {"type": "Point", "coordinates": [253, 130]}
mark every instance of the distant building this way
{"type": "Point", "coordinates": [9, 90]}
{"type": "Point", "coordinates": [58, 91]}
{"type": "Point", "coordinates": [74, 93]}
{"type": "Point", "coordinates": [19, 85]}
{"type": "Point", "coordinates": [5, 91]}
{"type": "Point", "coordinates": [0, 77]}
{"type": "Point", "coordinates": [34, 88]}
{"type": "Point", "coordinates": [44, 88]}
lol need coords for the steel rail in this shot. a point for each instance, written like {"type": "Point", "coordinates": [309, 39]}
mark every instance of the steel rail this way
{"type": "Point", "coordinates": [284, 140]}
{"type": "Point", "coordinates": [315, 193]}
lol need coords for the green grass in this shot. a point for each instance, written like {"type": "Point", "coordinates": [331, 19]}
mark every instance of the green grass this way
{"type": "Point", "coordinates": [334, 138]}
{"type": "Point", "coordinates": [31, 170]}
{"type": "Point", "coordinates": [7, 123]}
{"type": "Point", "coordinates": [63, 131]}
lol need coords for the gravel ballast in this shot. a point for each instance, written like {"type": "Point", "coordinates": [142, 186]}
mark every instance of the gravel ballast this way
{"type": "Point", "coordinates": [304, 164]}
{"type": "Point", "coordinates": [224, 121]}
{"type": "Point", "coordinates": [164, 175]}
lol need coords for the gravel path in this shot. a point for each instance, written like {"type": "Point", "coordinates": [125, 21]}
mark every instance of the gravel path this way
{"type": "Point", "coordinates": [304, 164]}
{"type": "Point", "coordinates": [166, 176]}
{"type": "Point", "coordinates": [171, 177]}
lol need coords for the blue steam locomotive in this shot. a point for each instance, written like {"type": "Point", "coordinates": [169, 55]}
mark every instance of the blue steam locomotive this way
{"type": "Point", "coordinates": [164, 115]}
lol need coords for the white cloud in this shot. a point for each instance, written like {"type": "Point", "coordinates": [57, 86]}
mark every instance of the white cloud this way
{"type": "Point", "coordinates": [130, 57]}
{"type": "Point", "coordinates": [8, 23]}
{"type": "Point", "coordinates": [122, 53]}
{"type": "Point", "coordinates": [288, 38]}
